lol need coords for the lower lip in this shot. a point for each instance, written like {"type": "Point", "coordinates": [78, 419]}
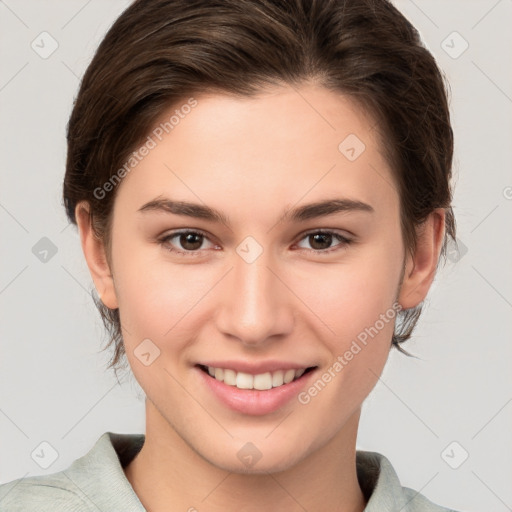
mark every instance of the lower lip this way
{"type": "Point", "coordinates": [253, 401]}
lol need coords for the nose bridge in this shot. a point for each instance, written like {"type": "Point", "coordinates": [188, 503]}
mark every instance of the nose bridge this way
{"type": "Point", "coordinates": [255, 304]}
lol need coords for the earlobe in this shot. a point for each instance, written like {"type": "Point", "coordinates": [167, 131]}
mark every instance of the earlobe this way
{"type": "Point", "coordinates": [95, 256]}
{"type": "Point", "coordinates": [421, 267]}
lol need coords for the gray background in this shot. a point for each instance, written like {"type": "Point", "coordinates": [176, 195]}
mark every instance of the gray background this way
{"type": "Point", "coordinates": [53, 383]}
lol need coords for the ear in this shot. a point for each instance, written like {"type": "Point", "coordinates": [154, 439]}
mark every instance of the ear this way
{"type": "Point", "coordinates": [95, 255]}
{"type": "Point", "coordinates": [421, 268]}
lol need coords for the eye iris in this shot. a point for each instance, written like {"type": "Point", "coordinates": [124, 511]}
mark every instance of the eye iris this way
{"type": "Point", "coordinates": [188, 238]}
{"type": "Point", "coordinates": [321, 237]}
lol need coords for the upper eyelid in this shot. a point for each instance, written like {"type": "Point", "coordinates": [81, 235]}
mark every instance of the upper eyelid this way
{"type": "Point", "coordinates": [326, 230]}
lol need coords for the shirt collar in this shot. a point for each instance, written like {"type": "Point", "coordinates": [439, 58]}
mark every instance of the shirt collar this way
{"type": "Point", "coordinates": [379, 483]}
{"type": "Point", "coordinates": [99, 473]}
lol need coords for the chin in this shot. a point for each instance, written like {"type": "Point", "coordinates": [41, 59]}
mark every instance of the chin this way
{"type": "Point", "coordinates": [249, 460]}
{"type": "Point", "coordinates": [259, 468]}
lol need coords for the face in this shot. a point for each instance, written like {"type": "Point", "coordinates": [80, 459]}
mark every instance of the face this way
{"type": "Point", "coordinates": [270, 286]}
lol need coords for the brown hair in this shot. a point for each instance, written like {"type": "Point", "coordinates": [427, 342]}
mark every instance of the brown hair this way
{"type": "Point", "coordinates": [161, 51]}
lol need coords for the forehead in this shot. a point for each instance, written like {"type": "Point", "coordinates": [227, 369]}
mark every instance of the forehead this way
{"type": "Point", "coordinates": [270, 149]}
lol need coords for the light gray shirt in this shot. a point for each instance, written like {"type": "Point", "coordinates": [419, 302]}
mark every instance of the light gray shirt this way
{"type": "Point", "coordinates": [96, 482]}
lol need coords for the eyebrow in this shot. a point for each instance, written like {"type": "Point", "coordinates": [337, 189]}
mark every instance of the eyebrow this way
{"type": "Point", "coordinates": [298, 214]}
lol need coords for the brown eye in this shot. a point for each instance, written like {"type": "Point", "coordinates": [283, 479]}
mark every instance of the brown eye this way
{"type": "Point", "coordinates": [321, 241]}
{"type": "Point", "coordinates": [191, 241]}
{"type": "Point", "coordinates": [184, 242]}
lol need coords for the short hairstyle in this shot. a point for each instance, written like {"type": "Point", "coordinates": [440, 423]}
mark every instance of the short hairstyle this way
{"type": "Point", "coordinates": [159, 52]}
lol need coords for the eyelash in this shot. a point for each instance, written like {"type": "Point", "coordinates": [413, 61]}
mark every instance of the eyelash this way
{"type": "Point", "coordinates": [344, 241]}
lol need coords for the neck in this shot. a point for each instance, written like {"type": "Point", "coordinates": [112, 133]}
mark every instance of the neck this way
{"type": "Point", "coordinates": [169, 474]}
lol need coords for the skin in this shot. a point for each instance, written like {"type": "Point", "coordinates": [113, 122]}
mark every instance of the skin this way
{"type": "Point", "coordinates": [253, 159]}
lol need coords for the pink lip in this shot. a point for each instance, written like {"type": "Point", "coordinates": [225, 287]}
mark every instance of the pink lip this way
{"type": "Point", "coordinates": [255, 368]}
{"type": "Point", "coordinates": [253, 401]}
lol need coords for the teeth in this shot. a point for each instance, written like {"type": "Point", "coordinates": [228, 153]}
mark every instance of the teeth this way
{"type": "Point", "coordinates": [289, 375]}
{"type": "Point", "coordinates": [262, 381]}
{"type": "Point", "coordinates": [243, 380]}
{"type": "Point", "coordinates": [229, 377]}
{"type": "Point", "coordinates": [277, 378]}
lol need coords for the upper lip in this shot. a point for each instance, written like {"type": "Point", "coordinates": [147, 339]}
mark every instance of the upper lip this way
{"type": "Point", "coordinates": [256, 368]}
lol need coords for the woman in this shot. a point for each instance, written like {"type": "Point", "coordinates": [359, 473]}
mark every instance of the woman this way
{"type": "Point", "coordinates": [262, 191]}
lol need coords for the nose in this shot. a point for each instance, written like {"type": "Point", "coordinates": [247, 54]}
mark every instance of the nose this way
{"type": "Point", "coordinates": [256, 306]}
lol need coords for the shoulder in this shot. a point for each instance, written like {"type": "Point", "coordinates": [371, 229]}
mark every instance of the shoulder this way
{"type": "Point", "coordinates": [93, 482]}
{"type": "Point", "coordinates": [44, 493]}
{"type": "Point", "coordinates": [382, 488]}
{"type": "Point", "coordinates": [419, 503]}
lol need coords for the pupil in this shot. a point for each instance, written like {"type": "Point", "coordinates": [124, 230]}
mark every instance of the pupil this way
{"type": "Point", "coordinates": [319, 236]}
{"type": "Point", "coordinates": [188, 239]}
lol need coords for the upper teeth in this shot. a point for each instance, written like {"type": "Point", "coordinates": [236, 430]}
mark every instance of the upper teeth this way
{"type": "Point", "coordinates": [261, 381]}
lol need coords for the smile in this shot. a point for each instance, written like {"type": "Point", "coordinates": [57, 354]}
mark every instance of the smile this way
{"type": "Point", "coordinates": [261, 381]}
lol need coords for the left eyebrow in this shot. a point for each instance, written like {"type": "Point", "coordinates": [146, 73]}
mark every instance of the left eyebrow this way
{"type": "Point", "coordinates": [324, 208]}
{"type": "Point", "coordinates": [298, 214]}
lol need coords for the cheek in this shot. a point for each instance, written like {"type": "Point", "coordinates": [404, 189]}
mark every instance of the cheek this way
{"type": "Point", "coordinates": [350, 298]}
{"type": "Point", "coordinates": [357, 305]}
{"type": "Point", "coordinates": [158, 301]}
{"type": "Point", "coordinates": [154, 295]}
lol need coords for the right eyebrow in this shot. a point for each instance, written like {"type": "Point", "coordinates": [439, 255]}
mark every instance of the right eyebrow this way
{"type": "Point", "coordinates": [197, 211]}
